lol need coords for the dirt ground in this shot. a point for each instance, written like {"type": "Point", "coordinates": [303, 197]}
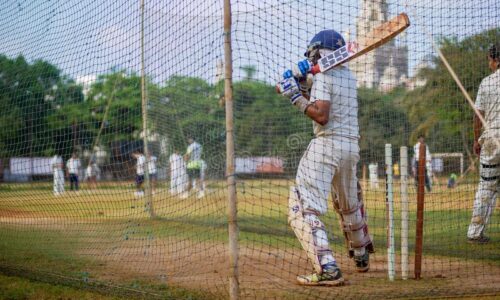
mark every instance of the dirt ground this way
{"type": "Point", "coordinates": [269, 273]}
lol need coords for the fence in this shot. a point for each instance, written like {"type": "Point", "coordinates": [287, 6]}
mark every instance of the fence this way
{"type": "Point", "coordinates": [187, 89]}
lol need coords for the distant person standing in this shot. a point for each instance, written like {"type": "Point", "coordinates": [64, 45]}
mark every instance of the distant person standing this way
{"type": "Point", "coordinates": [91, 174]}
{"type": "Point", "coordinates": [373, 171]}
{"type": "Point", "coordinates": [178, 176]}
{"type": "Point", "coordinates": [72, 168]}
{"type": "Point", "coordinates": [152, 171]}
{"type": "Point", "coordinates": [194, 166]}
{"type": "Point", "coordinates": [452, 181]}
{"type": "Point", "coordinates": [486, 146]}
{"type": "Point", "coordinates": [139, 172]}
{"type": "Point", "coordinates": [428, 163]}
{"type": "Point", "coordinates": [57, 168]}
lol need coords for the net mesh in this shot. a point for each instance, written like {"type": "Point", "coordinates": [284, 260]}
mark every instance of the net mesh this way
{"type": "Point", "coordinates": [113, 146]}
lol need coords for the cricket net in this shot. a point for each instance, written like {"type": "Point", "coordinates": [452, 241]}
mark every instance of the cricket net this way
{"type": "Point", "coordinates": [120, 121]}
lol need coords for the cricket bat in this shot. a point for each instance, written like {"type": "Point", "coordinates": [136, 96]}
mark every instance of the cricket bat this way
{"type": "Point", "coordinates": [372, 40]}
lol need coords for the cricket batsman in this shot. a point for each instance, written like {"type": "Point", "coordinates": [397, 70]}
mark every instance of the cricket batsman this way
{"type": "Point", "coordinates": [486, 146]}
{"type": "Point", "coordinates": [329, 162]}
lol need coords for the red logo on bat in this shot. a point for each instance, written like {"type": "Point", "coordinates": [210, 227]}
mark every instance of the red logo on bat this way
{"type": "Point", "coordinates": [352, 47]}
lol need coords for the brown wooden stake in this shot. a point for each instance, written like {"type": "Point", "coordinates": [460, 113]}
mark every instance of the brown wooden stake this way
{"type": "Point", "coordinates": [232, 210]}
{"type": "Point", "coordinates": [144, 107]}
{"type": "Point", "coordinates": [420, 211]}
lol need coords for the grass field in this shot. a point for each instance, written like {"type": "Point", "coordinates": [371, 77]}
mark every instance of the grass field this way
{"type": "Point", "coordinates": [106, 236]}
{"type": "Point", "coordinates": [16, 288]}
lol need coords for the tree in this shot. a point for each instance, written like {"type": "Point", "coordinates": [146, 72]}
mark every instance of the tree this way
{"type": "Point", "coordinates": [29, 96]}
{"type": "Point", "coordinates": [439, 109]}
{"type": "Point", "coordinates": [382, 120]}
{"type": "Point", "coordinates": [122, 93]}
{"type": "Point", "coordinates": [188, 107]}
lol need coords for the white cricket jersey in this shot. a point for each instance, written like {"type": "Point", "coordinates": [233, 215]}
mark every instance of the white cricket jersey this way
{"type": "Point", "coordinates": [194, 151]}
{"type": "Point", "coordinates": [141, 161]}
{"type": "Point", "coordinates": [73, 165]}
{"type": "Point", "coordinates": [488, 101]}
{"type": "Point", "coordinates": [152, 164]}
{"type": "Point", "coordinates": [416, 150]}
{"type": "Point", "coordinates": [57, 162]}
{"type": "Point", "coordinates": [338, 86]}
{"type": "Point", "coordinates": [176, 164]}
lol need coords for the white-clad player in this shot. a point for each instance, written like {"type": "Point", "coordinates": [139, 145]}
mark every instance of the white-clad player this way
{"type": "Point", "coordinates": [57, 165]}
{"type": "Point", "coordinates": [178, 175]}
{"type": "Point", "coordinates": [329, 161]}
{"type": "Point", "coordinates": [194, 166]}
{"type": "Point", "coordinates": [486, 146]}
{"type": "Point", "coordinates": [139, 172]}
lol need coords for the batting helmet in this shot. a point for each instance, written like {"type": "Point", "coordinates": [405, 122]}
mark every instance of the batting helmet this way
{"type": "Point", "coordinates": [326, 39]}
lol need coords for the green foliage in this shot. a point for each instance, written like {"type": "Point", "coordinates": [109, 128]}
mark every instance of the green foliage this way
{"type": "Point", "coordinates": [267, 125]}
{"type": "Point", "coordinates": [439, 109]}
{"type": "Point", "coordinates": [382, 120]}
{"type": "Point", "coordinates": [188, 107]}
{"type": "Point", "coordinates": [30, 94]}
{"type": "Point", "coordinates": [122, 92]}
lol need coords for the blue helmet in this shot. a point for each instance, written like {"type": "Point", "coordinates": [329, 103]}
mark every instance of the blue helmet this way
{"type": "Point", "coordinates": [326, 39]}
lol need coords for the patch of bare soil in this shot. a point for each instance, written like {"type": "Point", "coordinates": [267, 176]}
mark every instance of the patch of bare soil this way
{"type": "Point", "coordinates": [269, 273]}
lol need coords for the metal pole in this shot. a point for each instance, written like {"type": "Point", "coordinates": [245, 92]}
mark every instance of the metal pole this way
{"type": "Point", "coordinates": [391, 261]}
{"type": "Point", "coordinates": [403, 153]}
{"type": "Point", "coordinates": [234, 289]}
{"type": "Point", "coordinates": [420, 211]}
{"type": "Point", "coordinates": [147, 183]}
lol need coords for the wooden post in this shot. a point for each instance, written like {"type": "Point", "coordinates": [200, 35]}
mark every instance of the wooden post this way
{"type": "Point", "coordinates": [420, 210]}
{"type": "Point", "coordinates": [232, 211]}
{"type": "Point", "coordinates": [403, 153]}
{"type": "Point", "coordinates": [147, 182]}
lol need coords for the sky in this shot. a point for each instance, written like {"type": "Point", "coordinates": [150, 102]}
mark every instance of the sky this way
{"type": "Point", "coordinates": [86, 38]}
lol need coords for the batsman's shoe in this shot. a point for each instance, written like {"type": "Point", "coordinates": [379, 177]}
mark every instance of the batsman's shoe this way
{"type": "Point", "coordinates": [362, 262]}
{"type": "Point", "coordinates": [331, 277]}
{"type": "Point", "coordinates": [479, 240]}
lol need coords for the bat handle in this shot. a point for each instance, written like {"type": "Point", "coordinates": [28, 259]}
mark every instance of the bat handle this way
{"type": "Point", "coordinates": [278, 89]}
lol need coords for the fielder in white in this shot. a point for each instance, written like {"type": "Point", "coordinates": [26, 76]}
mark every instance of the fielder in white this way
{"type": "Point", "coordinates": [73, 166]}
{"type": "Point", "coordinates": [178, 175]}
{"type": "Point", "coordinates": [139, 172]}
{"type": "Point", "coordinates": [329, 163]}
{"type": "Point", "coordinates": [57, 164]}
{"type": "Point", "coordinates": [195, 166]}
{"type": "Point", "coordinates": [486, 146]}
{"type": "Point", "coordinates": [428, 163]}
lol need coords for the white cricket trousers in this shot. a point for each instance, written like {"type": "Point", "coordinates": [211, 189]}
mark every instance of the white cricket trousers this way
{"type": "Point", "coordinates": [486, 195]}
{"type": "Point", "coordinates": [331, 161]}
{"type": "Point", "coordinates": [178, 183]}
{"type": "Point", "coordinates": [58, 182]}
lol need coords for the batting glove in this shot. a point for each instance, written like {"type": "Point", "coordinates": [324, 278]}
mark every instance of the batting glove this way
{"type": "Point", "coordinates": [302, 68]}
{"type": "Point", "coordinates": [289, 88]}
{"type": "Point", "coordinates": [304, 82]}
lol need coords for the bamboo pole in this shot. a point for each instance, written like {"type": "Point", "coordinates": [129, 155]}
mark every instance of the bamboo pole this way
{"type": "Point", "coordinates": [144, 101]}
{"type": "Point", "coordinates": [391, 256]}
{"type": "Point", "coordinates": [230, 164]}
